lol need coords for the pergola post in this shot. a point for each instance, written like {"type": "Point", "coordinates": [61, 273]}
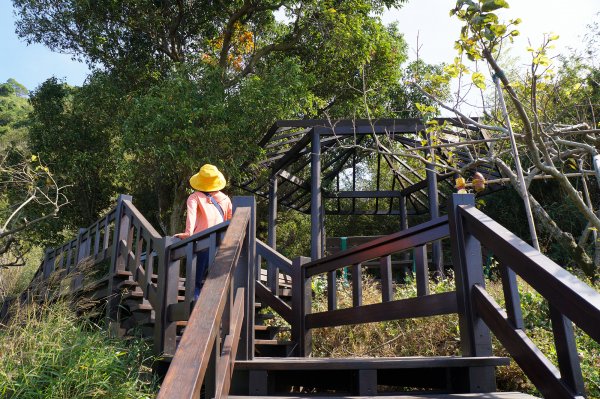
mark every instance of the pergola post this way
{"type": "Point", "coordinates": [403, 216]}
{"type": "Point", "coordinates": [272, 270]}
{"type": "Point", "coordinates": [405, 269]}
{"type": "Point", "coordinates": [272, 222]}
{"type": "Point", "coordinates": [315, 195]}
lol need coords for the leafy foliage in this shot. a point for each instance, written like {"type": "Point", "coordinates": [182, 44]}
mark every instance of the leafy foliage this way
{"type": "Point", "coordinates": [72, 128]}
{"type": "Point", "coordinates": [14, 108]}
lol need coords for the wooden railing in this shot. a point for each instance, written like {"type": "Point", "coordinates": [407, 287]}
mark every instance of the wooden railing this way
{"type": "Point", "coordinates": [425, 304]}
{"type": "Point", "coordinates": [219, 320]}
{"type": "Point", "coordinates": [570, 300]}
{"type": "Point", "coordinates": [122, 246]}
{"type": "Point", "coordinates": [220, 326]}
{"type": "Point", "coordinates": [92, 244]}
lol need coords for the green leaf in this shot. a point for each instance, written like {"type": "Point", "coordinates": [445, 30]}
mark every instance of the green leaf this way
{"type": "Point", "coordinates": [491, 5]}
{"type": "Point", "coordinates": [478, 80]}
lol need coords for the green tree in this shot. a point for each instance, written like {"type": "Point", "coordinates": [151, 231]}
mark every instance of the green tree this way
{"type": "Point", "coordinates": [199, 82]}
{"type": "Point", "coordinates": [548, 108]}
{"type": "Point", "coordinates": [73, 130]}
{"type": "Point", "coordinates": [14, 108]}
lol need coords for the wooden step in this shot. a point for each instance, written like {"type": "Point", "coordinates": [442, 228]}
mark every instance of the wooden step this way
{"type": "Point", "coordinates": [266, 342]}
{"type": "Point", "coordinates": [126, 274]}
{"type": "Point", "coordinates": [268, 332]}
{"type": "Point", "coordinates": [139, 294]}
{"type": "Point", "coordinates": [365, 363]}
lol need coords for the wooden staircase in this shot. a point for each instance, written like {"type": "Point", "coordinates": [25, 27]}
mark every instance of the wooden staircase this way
{"type": "Point", "coordinates": [224, 344]}
{"type": "Point", "coordinates": [360, 376]}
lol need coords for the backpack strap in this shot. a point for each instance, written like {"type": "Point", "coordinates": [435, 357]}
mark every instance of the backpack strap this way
{"type": "Point", "coordinates": [216, 204]}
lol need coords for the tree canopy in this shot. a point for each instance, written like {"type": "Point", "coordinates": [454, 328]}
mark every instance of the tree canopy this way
{"type": "Point", "coordinates": [179, 84]}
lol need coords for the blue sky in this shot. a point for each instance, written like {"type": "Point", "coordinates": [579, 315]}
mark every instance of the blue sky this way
{"type": "Point", "coordinates": [33, 64]}
{"type": "Point", "coordinates": [427, 19]}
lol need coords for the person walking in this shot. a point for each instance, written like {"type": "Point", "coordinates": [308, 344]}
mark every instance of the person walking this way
{"type": "Point", "coordinates": [207, 206]}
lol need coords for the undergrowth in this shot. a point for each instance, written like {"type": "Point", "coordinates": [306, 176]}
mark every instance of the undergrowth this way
{"type": "Point", "coordinates": [55, 350]}
{"type": "Point", "coordinates": [48, 352]}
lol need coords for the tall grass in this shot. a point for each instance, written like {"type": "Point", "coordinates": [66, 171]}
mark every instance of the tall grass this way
{"type": "Point", "coordinates": [48, 352]}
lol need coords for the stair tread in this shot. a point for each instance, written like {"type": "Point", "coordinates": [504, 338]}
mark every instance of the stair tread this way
{"type": "Point", "coordinates": [127, 273]}
{"type": "Point", "coordinates": [365, 363]}
{"type": "Point", "coordinates": [262, 327]}
{"type": "Point", "coordinates": [488, 395]}
{"type": "Point", "coordinates": [267, 342]}
{"type": "Point", "coordinates": [140, 294]}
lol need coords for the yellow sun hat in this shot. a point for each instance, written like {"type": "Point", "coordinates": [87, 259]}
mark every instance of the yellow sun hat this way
{"type": "Point", "coordinates": [208, 179]}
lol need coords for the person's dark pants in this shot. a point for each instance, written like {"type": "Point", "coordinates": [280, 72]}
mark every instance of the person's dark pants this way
{"type": "Point", "coordinates": [201, 269]}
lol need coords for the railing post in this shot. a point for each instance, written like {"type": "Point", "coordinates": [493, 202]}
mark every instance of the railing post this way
{"type": "Point", "coordinates": [566, 352]}
{"type": "Point", "coordinates": [301, 306]}
{"type": "Point", "coordinates": [48, 267]}
{"type": "Point", "coordinates": [165, 330]}
{"type": "Point", "coordinates": [82, 251]}
{"type": "Point", "coordinates": [475, 336]}
{"type": "Point", "coordinates": [245, 277]}
{"type": "Point", "coordinates": [116, 263]}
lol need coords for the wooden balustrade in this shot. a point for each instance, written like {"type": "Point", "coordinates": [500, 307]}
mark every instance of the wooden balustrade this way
{"type": "Point", "coordinates": [220, 327]}
{"type": "Point", "coordinates": [570, 300]}
{"type": "Point", "coordinates": [389, 309]}
{"type": "Point", "coordinates": [269, 293]}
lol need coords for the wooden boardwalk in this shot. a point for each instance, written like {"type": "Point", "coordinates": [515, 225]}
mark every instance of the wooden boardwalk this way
{"type": "Point", "coordinates": [220, 345]}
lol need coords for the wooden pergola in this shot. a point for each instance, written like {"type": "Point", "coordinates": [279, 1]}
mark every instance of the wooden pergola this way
{"type": "Point", "coordinates": [363, 167]}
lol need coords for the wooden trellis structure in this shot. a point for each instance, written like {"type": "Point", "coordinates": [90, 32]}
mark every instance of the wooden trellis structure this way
{"type": "Point", "coordinates": [360, 167]}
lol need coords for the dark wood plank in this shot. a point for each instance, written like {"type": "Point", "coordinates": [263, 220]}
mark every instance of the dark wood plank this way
{"type": "Point", "coordinates": [566, 351]}
{"type": "Point", "coordinates": [367, 382]}
{"type": "Point", "coordinates": [357, 285]}
{"type": "Point", "coordinates": [397, 242]}
{"type": "Point", "coordinates": [511, 296]}
{"type": "Point", "coordinates": [487, 395]}
{"type": "Point", "coordinates": [331, 290]}
{"type": "Point", "coordinates": [270, 255]}
{"type": "Point", "coordinates": [475, 339]}
{"type": "Point", "coordinates": [422, 270]}
{"type": "Point", "coordinates": [430, 305]}
{"type": "Point", "coordinates": [301, 304]}
{"type": "Point", "coordinates": [368, 363]}
{"type": "Point", "coordinates": [227, 359]}
{"type": "Point", "coordinates": [385, 271]}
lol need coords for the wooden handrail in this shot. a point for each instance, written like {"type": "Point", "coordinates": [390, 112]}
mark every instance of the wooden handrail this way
{"type": "Point", "coordinates": [142, 220]}
{"type": "Point", "coordinates": [423, 305]}
{"type": "Point", "coordinates": [569, 299]}
{"type": "Point", "coordinates": [571, 296]}
{"type": "Point", "coordinates": [281, 262]}
{"type": "Point", "coordinates": [536, 366]}
{"type": "Point", "coordinates": [403, 240]}
{"type": "Point", "coordinates": [186, 372]}
{"type": "Point", "coordinates": [280, 307]}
